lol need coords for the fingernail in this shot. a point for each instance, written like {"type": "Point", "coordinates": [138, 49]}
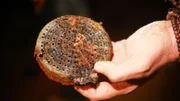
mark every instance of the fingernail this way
{"type": "Point", "coordinates": [76, 88]}
{"type": "Point", "coordinates": [98, 66]}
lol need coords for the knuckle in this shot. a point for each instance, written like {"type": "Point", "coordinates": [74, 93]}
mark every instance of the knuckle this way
{"type": "Point", "coordinates": [144, 68]}
{"type": "Point", "coordinates": [114, 77]}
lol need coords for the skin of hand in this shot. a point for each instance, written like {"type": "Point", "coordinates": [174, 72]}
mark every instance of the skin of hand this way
{"type": "Point", "coordinates": [136, 57]}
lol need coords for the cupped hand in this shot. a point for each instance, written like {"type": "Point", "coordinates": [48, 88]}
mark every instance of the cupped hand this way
{"type": "Point", "coordinates": [136, 57]}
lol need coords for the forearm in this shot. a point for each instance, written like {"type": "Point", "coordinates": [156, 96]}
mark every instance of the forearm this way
{"type": "Point", "coordinates": [173, 49]}
{"type": "Point", "coordinates": [154, 44]}
{"type": "Point", "coordinates": [164, 41]}
{"type": "Point", "coordinates": [168, 47]}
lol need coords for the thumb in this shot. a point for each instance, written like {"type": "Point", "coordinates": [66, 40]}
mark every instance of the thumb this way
{"type": "Point", "coordinates": [108, 69]}
{"type": "Point", "coordinates": [121, 72]}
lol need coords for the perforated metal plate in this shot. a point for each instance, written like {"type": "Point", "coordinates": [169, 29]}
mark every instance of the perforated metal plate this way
{"type": "Point", "coordinates": [68, 47]}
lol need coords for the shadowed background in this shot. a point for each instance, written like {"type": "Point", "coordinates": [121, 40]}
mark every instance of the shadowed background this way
{"type": "Point", "coordinates": [23, 80]}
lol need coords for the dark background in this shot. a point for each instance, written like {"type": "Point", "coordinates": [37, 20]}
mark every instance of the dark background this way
{"type": "Point", "coordinates": [23, 80]}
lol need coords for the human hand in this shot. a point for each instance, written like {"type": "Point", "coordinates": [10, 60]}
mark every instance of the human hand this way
{"type": "Point", "coordinates": [138, 57]}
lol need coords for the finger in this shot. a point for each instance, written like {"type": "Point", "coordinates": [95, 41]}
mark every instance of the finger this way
{"type": "Point", "coordinates": [105, 90]}
{"type": "Point", "coordinates": [130, 69]}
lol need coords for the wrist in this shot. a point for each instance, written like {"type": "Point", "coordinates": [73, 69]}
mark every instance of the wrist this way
{"type": "Point", "coordinates": [173, 49]}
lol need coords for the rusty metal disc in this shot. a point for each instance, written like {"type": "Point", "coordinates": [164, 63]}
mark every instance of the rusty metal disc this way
{"type": "Point", "coordinates": [68, 47]}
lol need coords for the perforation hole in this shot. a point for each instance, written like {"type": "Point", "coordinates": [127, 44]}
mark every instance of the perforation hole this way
{"type": "Point", "coordinates": [68, 61]}
{"type": "Point", "coordinates": [40, 55]}
{"type": "Point", "coordinates": [92, 62]}
{"type": "Point", "coordinates": [74, 31]}
{"type": "Point", "coordinates": [69, 56]}
{"type": "Point", "coordinates": [76, 62]}
{"type": "Point", "coordinates": [42, 50]}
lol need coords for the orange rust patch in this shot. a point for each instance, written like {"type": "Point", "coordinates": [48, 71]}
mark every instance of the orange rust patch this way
{"type": "Point", "coordinates": [79, 39]}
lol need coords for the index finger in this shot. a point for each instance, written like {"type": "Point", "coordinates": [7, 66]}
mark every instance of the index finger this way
{"type": "Point", "coordinates": [105, 90]}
